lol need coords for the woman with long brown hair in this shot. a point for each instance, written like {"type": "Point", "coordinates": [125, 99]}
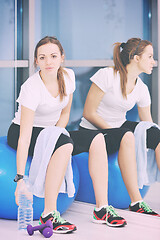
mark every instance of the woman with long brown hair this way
{"type": "Point", "coordinates": [113, 92]}
{"type": "Point", "coordinates": [44, 104]}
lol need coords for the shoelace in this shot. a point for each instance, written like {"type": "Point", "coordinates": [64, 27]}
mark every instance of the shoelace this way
{"type": "Point", "coordinates": [57, 217]}
{"type": "Point", "coordinates": [145, 206]}
{"type": "Point", "coordinates": [112, 211]}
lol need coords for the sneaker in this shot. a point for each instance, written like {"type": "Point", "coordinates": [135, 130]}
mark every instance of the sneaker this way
{"type": "Point", "coordinates": [109, 216]}
{"type": "Point", "coordinates": [59, 224]}
{"type": "Point", "coordinates": [142, 207]}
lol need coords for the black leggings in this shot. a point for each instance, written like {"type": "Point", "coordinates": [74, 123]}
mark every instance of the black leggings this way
{"type": "Point", "coordinates": [81, 140]}
{"type": "Point", "coordinates": [153, 134]}
{"type": "Point", "coordinates": [113, 137]}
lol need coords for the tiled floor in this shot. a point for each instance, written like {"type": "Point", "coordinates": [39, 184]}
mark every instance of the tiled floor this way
{"type": "Point", "coordinates": [139, 227]}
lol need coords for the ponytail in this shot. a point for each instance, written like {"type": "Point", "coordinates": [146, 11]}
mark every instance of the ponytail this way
{"type": "Point", "coordinates": [120, 66]}
{"type": "Point", "coordinates": [61, 83]}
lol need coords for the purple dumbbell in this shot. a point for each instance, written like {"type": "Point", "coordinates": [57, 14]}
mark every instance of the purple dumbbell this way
{"type": "Point", "coordinates": [46, 229]}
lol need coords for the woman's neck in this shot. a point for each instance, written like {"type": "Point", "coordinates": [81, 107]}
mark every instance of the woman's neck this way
{"type": "Point", "coordinates": [48, 78]}
{"type": "Point", "coordinates": [132, 74]}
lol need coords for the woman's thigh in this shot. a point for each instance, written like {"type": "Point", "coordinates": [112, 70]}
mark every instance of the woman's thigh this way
{"type": "Point", "coordinates": [82, 139]}
{"type": "Point", "coordinates": [130, 125]}
{"type": "Point", "coordinates": [13, 136]}
{"type": "Point", "coordinates": [153, 134]}
{"type": "Point", "coordinates": [113, 137]}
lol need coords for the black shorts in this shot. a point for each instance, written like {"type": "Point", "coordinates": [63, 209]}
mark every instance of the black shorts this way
{"type": "Point", "coordinates": [81, 140]}
{"type": "Point", "coordinates": [113, 137]}
{"type": "Point", "coordinates": [153, 134]}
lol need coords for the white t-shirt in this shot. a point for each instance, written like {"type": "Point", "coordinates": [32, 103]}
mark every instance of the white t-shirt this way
{"type": "Point", "coordinates": [35, 96]}
{"type": "Point", "coordinates": [113, 106]}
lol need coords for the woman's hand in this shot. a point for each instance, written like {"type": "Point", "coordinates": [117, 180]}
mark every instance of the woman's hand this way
{"type": "Point", "coordinates": [19, 184]}
{"type": "Point", "coordinates": [26, 125]}
{"type": "Point", "coordinates": [24, 189]}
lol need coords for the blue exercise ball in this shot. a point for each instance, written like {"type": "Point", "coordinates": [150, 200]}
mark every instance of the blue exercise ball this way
{"type": "Point", "coordinates": [117, 192]}
{"type": "Point", "coordinates": [132, 115]}
{"type": "Point", "coordinates": [8, 207]}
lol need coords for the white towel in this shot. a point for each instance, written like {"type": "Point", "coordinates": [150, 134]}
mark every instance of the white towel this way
{"type": "Point", "coordinates": [44, 147]}
{"type": "Point", "coordinates": [147, 169]}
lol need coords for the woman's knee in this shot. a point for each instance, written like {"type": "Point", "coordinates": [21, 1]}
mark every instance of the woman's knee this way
{"type": "Point", "coordinates": [128, 139]}
{"type": "Point", "coordinates": [65, 143]}
{"type": "Point", "coordinates": [68, 147]}
{"type": "Point", "coordinates": [65, 150]}
{"type": "Point", "coordinates": [98, 141]}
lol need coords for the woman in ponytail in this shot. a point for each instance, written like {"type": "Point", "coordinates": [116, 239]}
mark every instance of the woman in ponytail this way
{"type": "Point", "coordinates": [39, 127]}
{"type": "Point", "coordinates": [114, 91]}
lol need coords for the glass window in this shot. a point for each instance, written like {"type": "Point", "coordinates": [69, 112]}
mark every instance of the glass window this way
{"type": "Point", "coordinates": [87, 30]}
{"type": "Point", "coordinates": [6, 74]}
{"type": "Point", "coordinates": [6, 99]}
{"type": "Point", "coordinates": [7, 30]}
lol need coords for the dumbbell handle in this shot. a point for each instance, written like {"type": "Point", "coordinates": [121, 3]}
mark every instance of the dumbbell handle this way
{"type": "Point", "coordinates": [31, 229]}
{"type": "Point", "coordinates": [39, 227]}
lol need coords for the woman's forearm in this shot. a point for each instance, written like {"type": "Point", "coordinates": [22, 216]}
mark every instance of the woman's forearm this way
{"type": "Point", "coordinates": [63, 121]}
{"type": "Point", "coordinates": [26, 125]}
{"type": "Point", "coordinates": [22, 154]}
{"type": "Point", "coordinates": [96, 120]}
